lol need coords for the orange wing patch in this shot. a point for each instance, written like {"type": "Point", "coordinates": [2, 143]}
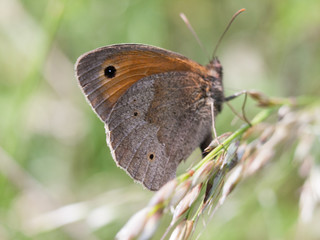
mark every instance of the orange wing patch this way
{"type": "Point", "coordinates": [130, 65]}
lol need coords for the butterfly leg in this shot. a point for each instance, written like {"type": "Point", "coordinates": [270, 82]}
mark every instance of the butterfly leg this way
{"type": "Point", "coordinates": [213, 119]}
{"type": "Point", "coordinates": [209, 142]}
{"type": "Point", "coordinates": [233, 96]}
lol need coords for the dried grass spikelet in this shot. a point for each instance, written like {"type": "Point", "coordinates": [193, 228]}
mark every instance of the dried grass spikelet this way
{"type": "Point", "coordinates": [240, 155]}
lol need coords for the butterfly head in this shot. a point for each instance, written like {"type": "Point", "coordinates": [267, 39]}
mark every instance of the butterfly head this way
{"type": "Point", "coordinates": [214, 70]}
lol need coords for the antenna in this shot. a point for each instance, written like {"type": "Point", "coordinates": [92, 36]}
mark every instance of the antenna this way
{"type": "Point", "coordinates": [186, 21]}
{"type": "Point", "coordinates": [228, 26]}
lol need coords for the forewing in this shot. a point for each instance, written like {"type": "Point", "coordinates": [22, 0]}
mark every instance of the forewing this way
{"type": "Point", "coordinates": [131, 62]}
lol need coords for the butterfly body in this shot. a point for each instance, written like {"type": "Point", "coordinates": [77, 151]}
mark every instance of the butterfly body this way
{"type": "Point", "coordinates": [156, 106]}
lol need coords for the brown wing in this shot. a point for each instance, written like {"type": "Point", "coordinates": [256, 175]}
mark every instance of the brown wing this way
{"type": "Point", "coordinates": [130, 63]}
{"type": "Point", "coordinates": [157, 123]}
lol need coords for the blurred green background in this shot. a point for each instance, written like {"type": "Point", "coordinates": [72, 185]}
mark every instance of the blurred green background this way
{"type": "Point", "coordinates": [57, 178]}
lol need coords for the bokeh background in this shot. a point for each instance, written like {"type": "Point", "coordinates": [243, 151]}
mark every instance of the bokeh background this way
{"type": "Point", "coordinates": [57, 178]}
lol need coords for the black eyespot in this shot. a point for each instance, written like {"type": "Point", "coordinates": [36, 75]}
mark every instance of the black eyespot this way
{"type": "Point", "coordinates": [151, 156]}
{"type": "Point", "coordinates": [110, 71]}
{"type": "Point", "coordinates": [135, 113]}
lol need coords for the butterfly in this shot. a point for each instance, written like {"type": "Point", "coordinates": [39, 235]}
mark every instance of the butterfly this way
{"type": "Point", "coordinates": [157, 106]}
